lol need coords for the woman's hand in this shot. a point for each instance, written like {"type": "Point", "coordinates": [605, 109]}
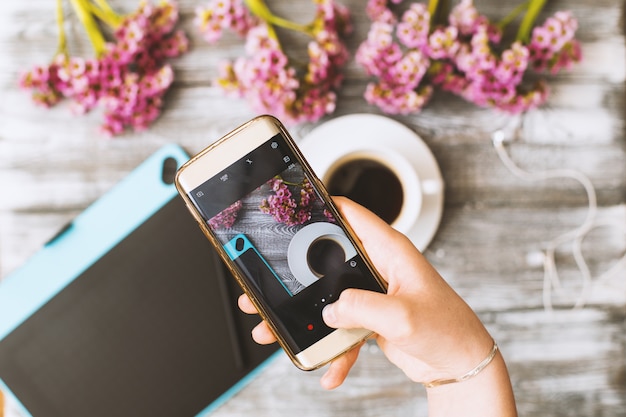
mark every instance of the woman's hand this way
{"type": "Point", "coordinates": [421, 324]}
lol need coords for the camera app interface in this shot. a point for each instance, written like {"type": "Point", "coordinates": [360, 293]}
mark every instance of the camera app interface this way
{"type": "Point", "coordinates": [274, 225]}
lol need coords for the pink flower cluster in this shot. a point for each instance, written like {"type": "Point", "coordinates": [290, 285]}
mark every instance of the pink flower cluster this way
{"type": "Point", "coordinates": [227, 217]}
{"type": "Point", "coordinates": [409, 58]}
{"type": "Point", "coordinates": [217, 15]}
{"type": "Point", "coordinates": [282, 206]}
{"type": "Point", "coordinates": [552, 45]}
{"type": "Point", "coordinates": [329, 216]}
{"type": "Point", "coordinates": [128, 80]}
{"type": "Point", "coordinates": [266, 77]}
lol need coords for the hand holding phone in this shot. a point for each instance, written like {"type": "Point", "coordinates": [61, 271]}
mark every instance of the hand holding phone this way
{"type": "Point", "coordinates": [426, 341]}
{"type": "Point", "coordinates": [274, 224]}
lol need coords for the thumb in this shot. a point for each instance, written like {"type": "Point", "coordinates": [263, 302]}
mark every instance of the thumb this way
{"type": "Point", "coordinates": [358, 308]}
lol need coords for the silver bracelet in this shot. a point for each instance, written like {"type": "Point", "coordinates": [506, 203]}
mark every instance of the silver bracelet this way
{"type": "Point", "coordinates": [468, 375]}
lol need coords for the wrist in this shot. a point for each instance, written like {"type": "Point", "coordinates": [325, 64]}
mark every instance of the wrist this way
{"type": "Point", "coordinates": [469, 374]}
{"type": "Point", "coordinates": [487, 394]}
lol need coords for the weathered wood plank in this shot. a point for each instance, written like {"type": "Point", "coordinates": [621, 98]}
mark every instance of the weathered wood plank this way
{"type": "Point", "coordinates": [494, 227]}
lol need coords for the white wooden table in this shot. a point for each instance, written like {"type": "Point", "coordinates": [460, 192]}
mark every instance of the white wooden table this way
{"type": "Point", "coordinates": [567, 363]}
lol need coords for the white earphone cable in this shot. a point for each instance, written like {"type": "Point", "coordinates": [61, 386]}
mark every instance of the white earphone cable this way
{"type": "Point", "coordinates": [575, 236]}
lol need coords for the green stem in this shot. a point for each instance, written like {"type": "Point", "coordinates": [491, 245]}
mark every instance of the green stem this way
{"type": "Point", "coordinates": [105, 13]}
{"type": "Point", "coordinates": [439, 11]}
{"type": "Point", "coordinates": [104, 5]}
{"type": "Point", "coordinates": [81, 7]}
{"type": "Point", "coordinates": [288, 24]}
{"type": "Point", "coordinates": [260, 9]}
{"type": "Point", "coordinates": [62, 46]}
{"type": "Point", "coordinates": [535, 6]}
{"type": "Point", "coordinates": [513, 14]}
{"type": "Point", "coordinates": [432, 7]}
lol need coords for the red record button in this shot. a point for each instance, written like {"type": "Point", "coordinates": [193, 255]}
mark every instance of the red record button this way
{"type": "Point", "coordinates": [309, 327]}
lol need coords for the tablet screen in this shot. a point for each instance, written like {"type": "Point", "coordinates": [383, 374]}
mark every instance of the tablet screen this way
{"type": "Point", "coordinates": [150, 329]}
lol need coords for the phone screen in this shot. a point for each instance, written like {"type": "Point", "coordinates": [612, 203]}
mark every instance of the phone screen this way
{"type": "Point", "coordinates": [276, 228]}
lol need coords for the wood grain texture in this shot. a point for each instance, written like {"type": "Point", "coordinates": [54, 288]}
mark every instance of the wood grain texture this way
{"type": "Point", "coordinates": [494, 227]}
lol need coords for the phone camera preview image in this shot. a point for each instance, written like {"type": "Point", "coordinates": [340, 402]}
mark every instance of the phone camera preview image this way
{"type": "Point", "coordinates": [316, 250]}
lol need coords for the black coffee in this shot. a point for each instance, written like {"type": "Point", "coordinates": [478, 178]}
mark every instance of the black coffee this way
{"type": "Point", "coordinates": [324, 256]}
{"type": "Point", "coordinates": [370, 184]}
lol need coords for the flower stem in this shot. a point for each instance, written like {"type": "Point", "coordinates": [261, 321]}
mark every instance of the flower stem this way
{"type": "Point", "coordinates": [535, 6]}
{"type": "Point", "coordinates": [62, 46]}
{"type": "Point", "coordinates": [104, 12]}
{"type": "Point", "coordinates": [82, 9]}
{"type": "Point", "coordinates": [106, 8]}
{"type": "Point", "coordinates": [439, 11]}
{"type": "Point", "coordinates": [260, 9]}
{"type": "Point", "coordinates": [513, 14]}
{"type": "Point", "coordinates": [432, 7]}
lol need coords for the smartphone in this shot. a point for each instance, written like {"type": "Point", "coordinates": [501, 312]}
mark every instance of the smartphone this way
{"type": "Point", "coordinates": [272, 221]}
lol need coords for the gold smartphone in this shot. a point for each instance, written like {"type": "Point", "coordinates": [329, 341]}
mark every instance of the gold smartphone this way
{"type": "Point", "coordinates": [274, 224]}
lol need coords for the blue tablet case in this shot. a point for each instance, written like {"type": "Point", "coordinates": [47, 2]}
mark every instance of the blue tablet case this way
{"type": "Point", "coordinates": [127, 311]}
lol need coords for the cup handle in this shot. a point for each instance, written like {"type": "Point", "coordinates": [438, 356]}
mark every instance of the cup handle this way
{"type": "Point", "coordinates": [431, 186]}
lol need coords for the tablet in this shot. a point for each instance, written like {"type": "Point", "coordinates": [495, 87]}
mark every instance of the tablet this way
{"type": "Point", "coordinates": [127, 311]}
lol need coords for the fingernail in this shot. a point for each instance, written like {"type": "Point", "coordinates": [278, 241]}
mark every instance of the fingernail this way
{"type": "Point", "coordinates": [328, 314]}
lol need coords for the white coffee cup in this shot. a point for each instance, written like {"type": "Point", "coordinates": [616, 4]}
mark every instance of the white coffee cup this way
{"type": "Point", "coordinates": [397, 147]}
{"type": "Point", "coordinates": [396, 164]}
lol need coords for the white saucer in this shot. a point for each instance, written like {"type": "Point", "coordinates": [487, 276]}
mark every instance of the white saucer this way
{"type": "Point", "coordinates": [347, 134]}
{"type": "Point", "coordinates": [304, 238]}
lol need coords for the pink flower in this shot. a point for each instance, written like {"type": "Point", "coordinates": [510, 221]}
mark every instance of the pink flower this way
{"type": "Point", "coordinates": [409, 70]}
{"type": "Point", "coordinates": [552, 46]}
{"type": "Point", "coordinates": [460, 57]}
{"type": "Point", "coordinates": [268, 79]}
{"type": "Point", "coordinates": [377, 10]}
{"type": "Point", "coordinates": [227, 217]}
{"type": "Point", "coordinates": [443, 43]}
{"type": "Point", "coordinates": [378, 52]}
{"type": "Point", "coordinates": [397, 100]}
{"type": "Point", "coordinates": [412, 31]}
{"type": "Point", "coordinates": [329, 216]}
{"type": "Point", "coordinates": [318, 65]}
{"type": "Point", "coordinates": [128, 80]}
{"type": "Point", "coordinates": [448, 79]}
{"type": "Point", "coordinates": [283, 207]}
{"type": "Point", "coordinates": [466, 18]}
{"type": "Point", "coordinates": [218, 15]}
